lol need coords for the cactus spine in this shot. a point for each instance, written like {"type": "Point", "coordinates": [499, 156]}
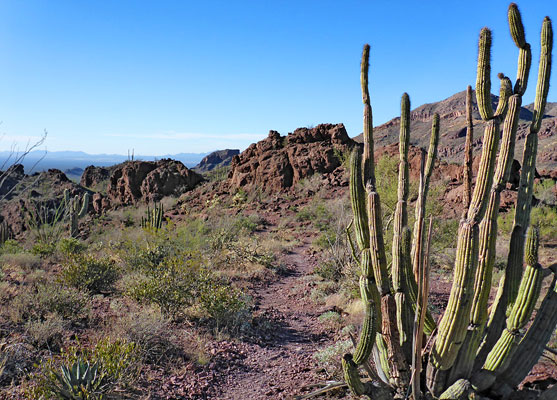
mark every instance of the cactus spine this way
{"type": "Point", "coordinates": [456, 349]}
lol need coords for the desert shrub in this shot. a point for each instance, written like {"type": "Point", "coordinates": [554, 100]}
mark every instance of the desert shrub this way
{"type": "Point", "coordinates": [443, 248]}
{"type": "Point", "coordinates": [225, 305]}
{"type": "Point", "coordinates": [181, 282]}
{"type": "Point", "coordinates": [342, 156]}
{"type": "Point", "coordinates": [546, 192]}
{"type": "Point", "coordinates": [89, 273]}
{"type": "Point", "coordinates": [11, 246]}
{"type": "Point", "coordinates": [317, 213]}
{"type": "Point", "coordinates": [24, 261]}
{"type": "Point", "coordinates": [542, 215]}
{"type": "Point", "coordinates": [505, 222]}
{"type": "Point", "coordinates": [151, 332]}
{"type": "Point", "coordinates": [545, 217]}
{"type": "Point", "coordinates": [329, 357]}
{"type": "Point", "coordinates": [247, 223]}
{"type": "Point", "coordinates": [16, 361]}
{"type": "Point", "coordinates": [71, 246]}
{"type": "Point", "coordinates": [48, 332]}
{"type": "Point", "coordinates": [329, 270]}
{"type": "Point", "coordinates": [40, 300]}
{"type": "Point", "coordinates": [240, 197]}
{"type": "Point", "coordinates": [44, 249]}
{"type": "Point", "coordinates": [331, 319]}
{"type": "Point", "coordinates": [173, 285]}
{"type": "Point", "coordinates": [116, 368]}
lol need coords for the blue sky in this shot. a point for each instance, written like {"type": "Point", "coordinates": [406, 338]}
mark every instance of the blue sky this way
{"type": "Point", "coordinates": [181, 76]}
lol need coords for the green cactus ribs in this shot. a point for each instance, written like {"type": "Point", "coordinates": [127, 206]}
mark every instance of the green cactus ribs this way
{"type": "Point", "coordinates": [468, 352]}
{"type": "Point", "coordinates": [75, 211]}
{"type": "Point", "coordinates": [153, 218]}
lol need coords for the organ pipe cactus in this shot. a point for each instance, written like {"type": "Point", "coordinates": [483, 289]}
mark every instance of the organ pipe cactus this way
{"type": "Point", "coordinates": [75, 211]}
{"type": "Point", "coordinates": [461, 359]}
{"type": "Point", "coordinates": [4, 232]}
{"type": "Point", "coordinates": [154, 217]}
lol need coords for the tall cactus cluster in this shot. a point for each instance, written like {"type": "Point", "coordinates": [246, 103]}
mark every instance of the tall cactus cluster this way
{"type": "Point", "coordinates": [154, 217]}
{"type": "Point", "coordinates": [75, 210]}
{"type": "Point", "coordinates": [469, 351]}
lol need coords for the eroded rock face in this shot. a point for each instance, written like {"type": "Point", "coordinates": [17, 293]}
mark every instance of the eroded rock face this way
{"type": "Point", "coordinates": [92, 176]}
{"type": "Point", "coordinates": [150, 181]}
{"type": "Point", "coordinates": [278, 162]}
{"type": "Point", "coordinates": [169, 177]}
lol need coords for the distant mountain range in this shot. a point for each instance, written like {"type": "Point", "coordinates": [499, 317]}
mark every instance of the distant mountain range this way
{"type": "Point", "coordinates": [78, 160]}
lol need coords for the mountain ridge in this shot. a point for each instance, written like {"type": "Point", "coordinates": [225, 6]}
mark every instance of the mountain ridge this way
{"type": "Point", "coordinates": [452, 112]}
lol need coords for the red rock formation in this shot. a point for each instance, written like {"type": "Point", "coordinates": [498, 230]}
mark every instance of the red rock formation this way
{"type": "Point", "coordinates": [150, 181]}
{"type": "Point", "coordinates": [278, 162]}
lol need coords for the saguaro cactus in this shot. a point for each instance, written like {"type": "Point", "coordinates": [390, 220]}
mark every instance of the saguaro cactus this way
{"type": "Point", "coordinates": [463, 359]}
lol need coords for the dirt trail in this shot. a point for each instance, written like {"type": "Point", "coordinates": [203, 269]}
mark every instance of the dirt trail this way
{"type": "Point", "coordinates": [282, 362]}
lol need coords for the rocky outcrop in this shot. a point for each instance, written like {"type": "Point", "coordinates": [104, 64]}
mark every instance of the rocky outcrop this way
{"type": "Point", "coordinates": [10, 178]}
{"type": "Point", "coordinates": [217, 159]}
{"type": "Point", "coordinates": [278, 162]}
{"type": "Point", "coordinates": [93, 176]}
{"type": "Point", "coordinates": [37, 196]}
{"type": "Point", "coordinates": [150, 181]}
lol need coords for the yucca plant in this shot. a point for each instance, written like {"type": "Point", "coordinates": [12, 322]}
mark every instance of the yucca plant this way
{"type": "Point", "coordinates": [469, 352]}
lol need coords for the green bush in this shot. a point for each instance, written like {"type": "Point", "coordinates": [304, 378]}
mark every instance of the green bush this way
{"type": "Point", "coordinates": [43, 249]}
{"type": "Point", "coordinates": [11, 246]}
{"type": "Point", "coordinates": [89, 273]}
{"type": "Point", "coordinates": [71, 246]}
{"type": "Point", "coordinates": [546, 219]}
{"type": "Point", "coordinates": [39, 301]}
{"type": "Point", "coordinates": [179, 283]}
{"type": "Point", "coordinates": [542, 215]}
{"type": "Point", "coordinates": [545, 191]}
{"type": "Point", "coordinates": [226, 305]}
{"type": "Point", "coordinates": [173, 285]}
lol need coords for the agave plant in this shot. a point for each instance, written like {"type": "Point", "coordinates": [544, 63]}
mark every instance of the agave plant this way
{"type": "Point", "coordinates": [80, 381]}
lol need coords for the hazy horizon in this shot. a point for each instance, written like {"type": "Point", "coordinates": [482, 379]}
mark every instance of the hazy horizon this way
{"type": "Point", "coordinates": [183, 77]}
